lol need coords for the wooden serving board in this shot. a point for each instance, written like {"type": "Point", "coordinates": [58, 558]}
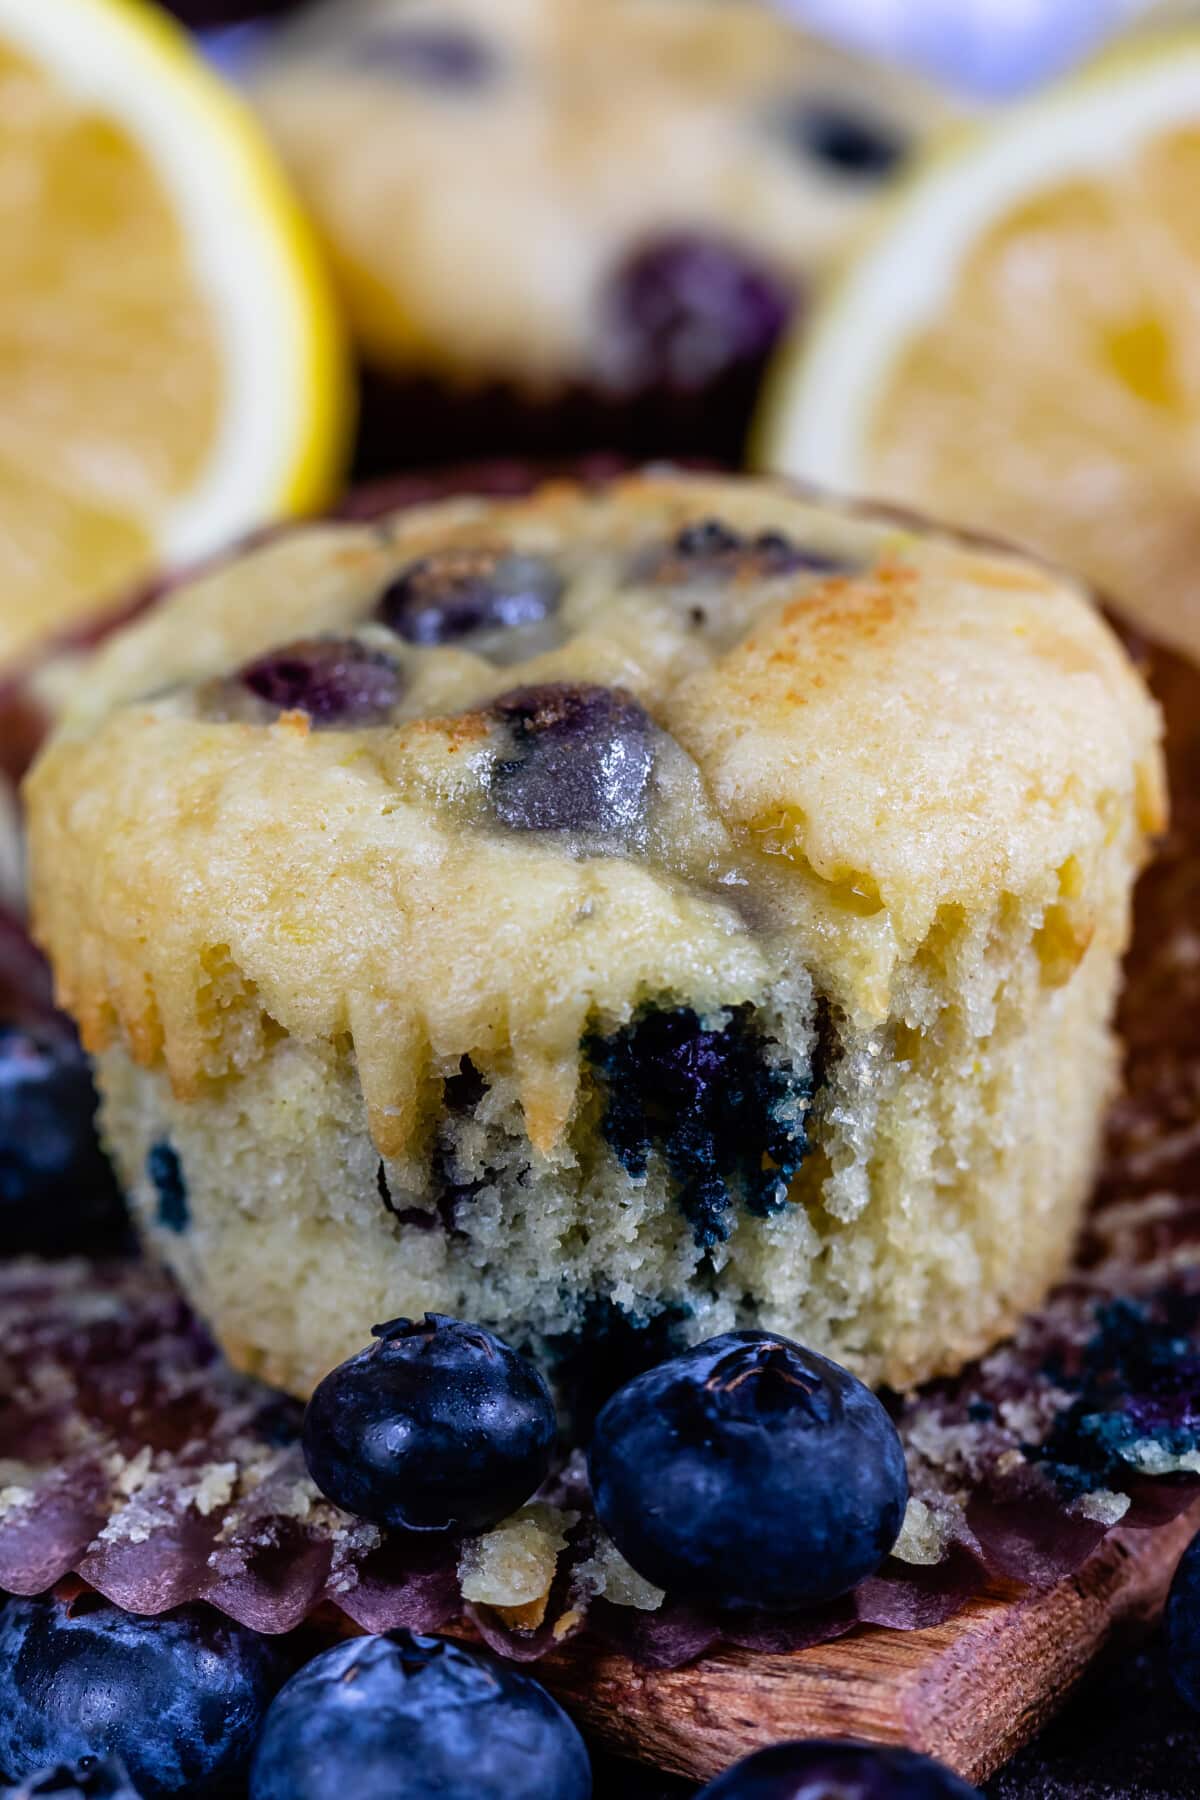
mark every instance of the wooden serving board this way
{"type": "Point", "coordinates": [969, 1692]}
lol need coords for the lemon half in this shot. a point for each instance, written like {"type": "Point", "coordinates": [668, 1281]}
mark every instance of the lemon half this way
{"type": "Point", "coordinates": [1018, 347]}
{"type": "Point", "coordinates": [172, 368]}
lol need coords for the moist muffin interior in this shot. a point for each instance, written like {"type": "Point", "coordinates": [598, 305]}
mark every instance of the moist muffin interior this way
{"type": "Point", "coordinates": [682, 905]}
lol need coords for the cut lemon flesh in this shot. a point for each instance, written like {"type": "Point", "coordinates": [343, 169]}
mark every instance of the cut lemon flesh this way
{"type": "Point", "coordinates": [171, 366]}
{"type": "Point", "coordinates": [1018, 348]}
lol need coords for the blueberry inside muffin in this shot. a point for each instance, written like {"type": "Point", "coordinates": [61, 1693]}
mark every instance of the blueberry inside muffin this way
{"type": "Point", "coordinates": [611, 915]}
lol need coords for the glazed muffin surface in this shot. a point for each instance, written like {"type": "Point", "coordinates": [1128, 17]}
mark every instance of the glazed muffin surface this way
{"type": "Point", "coordinates": [646, 909]}
{"type": "Point", "coordinates": [558, 195]}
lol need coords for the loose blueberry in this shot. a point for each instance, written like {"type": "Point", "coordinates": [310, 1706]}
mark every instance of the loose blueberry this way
{"type": "Point", "coordinates": [57, 1192]}
{"type": "Point", "coordinates": [336, 681]}
{"type": "Point", "coordinates": [685, 311]}
{"type": "Point", "coordinates": [855, 147]}
{"type": "Point", "coordinates": [459, 594]}
{"type": "Point", "coordinates": [710, 551]}
{"type": "Point", "coordinates": [403, 1717]}
{"type": "Point", "coordinates": [86, 1780]}
{"type": "Point", "coordinates": [437, 1426]}
{"type": "Point", "coordinates": [1182, 1625]}
{"type": "Point", "coordinates": [837, 1771]}
{"type": "Point", "coordinates": [439, 56]}
{"type": "Point", "coordinates": [728, 1121]}
{"type": "Point", "coordinates": [749, 1472]}
{"type": "Point", "coordinates": [166, 1173]}
{"type": "Point", "coordinates": [582, 758]}
{"type": "Point", "coordinates": [180, 1698]}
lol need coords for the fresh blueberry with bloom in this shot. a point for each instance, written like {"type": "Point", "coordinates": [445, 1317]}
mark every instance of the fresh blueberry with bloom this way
{"type": "Point", "coordinates": [581, 759]}
{"type": "Point", "coordinates": [837, 1771]}
{"type": "Point", "coordinates": [464, 593]}
{"type": "Point", "coordinates": [1181, 1623]}
{"type": "Point", "coordinates": [86, 1780]}
{"type": "Point", "coordinates": [403, 1717]}
{"type": "Point", "coordinates": [57, 1192]}
{"type": "Point", "coordinates": [749, 1472]}
{"type": "Point", "coordinates": [437, 1426]}
{"type": "Point", "coordinates": [179, 1698]}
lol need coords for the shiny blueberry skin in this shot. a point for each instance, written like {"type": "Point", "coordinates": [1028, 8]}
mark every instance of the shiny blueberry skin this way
{"type": "Point", "coordinates": [581, 760]}
{"type": "Point", "coordinates": [336, 681]}
{"type": "Point", "coordinates": [180, 1698]}
{"type": "Point", "coordinates": [460, 594]}
{"type": "Point", "coordinates": [437, 1426]}
{"type": "Point", "coordinates": [687, 310]}
{"type": "Point", "coordinates": [1181, 1624]}
{"type": "Point", "coordinates": [837, 1771]}
{"type": "Point", "coordinates": [88, 1780]}
{"type": "Point", "coordinates": [749, 1472]}
{"type": "Point", "coordinates": [57, 1191]}
{"type": "Point", "coordinates": [404, 1717]}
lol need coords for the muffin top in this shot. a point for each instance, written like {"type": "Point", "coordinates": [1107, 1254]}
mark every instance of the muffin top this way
{"type": "Point", "coordinates": [487, 775]}
{"type": "Point", "coordinates": [625, 192]}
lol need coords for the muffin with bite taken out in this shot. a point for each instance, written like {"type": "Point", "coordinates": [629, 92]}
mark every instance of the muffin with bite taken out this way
{"type": "Point", "coordinates": [660, 908]}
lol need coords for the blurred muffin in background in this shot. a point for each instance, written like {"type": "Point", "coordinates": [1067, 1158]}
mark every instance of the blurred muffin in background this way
{"type": "Point", "coordinates": [576, 223]}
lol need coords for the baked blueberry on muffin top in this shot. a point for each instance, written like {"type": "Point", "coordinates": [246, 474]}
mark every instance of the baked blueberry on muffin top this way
{"type": "Point", "coordinates": [561, 199]}
{"type": "Point", "coordinates": [685, 904]}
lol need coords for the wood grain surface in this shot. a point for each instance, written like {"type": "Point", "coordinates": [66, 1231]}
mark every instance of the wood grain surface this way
{"type": "Point", "coordinates": [970, 1692]}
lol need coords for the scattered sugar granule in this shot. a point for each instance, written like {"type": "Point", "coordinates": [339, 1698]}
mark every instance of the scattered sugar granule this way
{"type": "Point", "coordinates": [135, 1472]}
{"type": "Point", "coordinates": [924, 1535]}
{"type": "Point", "coordinates": [607, 1575]}
{"type": "Point", "coordinates": [215, 1487]}
{"type": "Point", "coordinates": [1105, 1506]}
{"type": "Point", "coordinates": [1152, 1458]}
{"type": "Point", "coordinates": [512, 1566]}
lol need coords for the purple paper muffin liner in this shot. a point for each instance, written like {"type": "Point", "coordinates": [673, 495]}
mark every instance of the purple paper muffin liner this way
{"type": "Point", "coordinates": [134, 1457]}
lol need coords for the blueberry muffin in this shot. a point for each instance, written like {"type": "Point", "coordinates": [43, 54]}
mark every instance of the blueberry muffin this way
{"type": "Point", "coordinates": [587, 221]}
{"type": "Point", "coordinates": [640, 909]}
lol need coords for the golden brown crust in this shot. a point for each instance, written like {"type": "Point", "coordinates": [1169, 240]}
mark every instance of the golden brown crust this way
{"type": "Point", "coordinates": [930, 732]}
